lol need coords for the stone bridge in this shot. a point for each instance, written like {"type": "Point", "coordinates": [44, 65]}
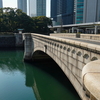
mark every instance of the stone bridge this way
{"type": "Point", "coordinates": [78, 60]}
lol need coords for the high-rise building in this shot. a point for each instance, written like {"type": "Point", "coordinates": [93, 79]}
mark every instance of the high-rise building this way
{"type": "Point", "coordinates": [37, 8]}
{"type": "Point", "coordinates": [41, 7]}
{"type": "Point", "coordinates": [79, 11]}
{"type": "Point", "coordinates": [91, 11]}
{"type": "Point", "coordinates": [62, 11]}
{"type": "Point", "coordinates": [54, 10]}
{"type": "Point", "coordinates": [22, 4]}
{"type": "Point", "coordinates": [1, 4]}
{"type": "Point", "coordinates": [32, 8]}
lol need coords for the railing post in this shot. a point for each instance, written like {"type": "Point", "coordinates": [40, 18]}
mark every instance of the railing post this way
{"type": "Point", "coordinates": [96, 29]}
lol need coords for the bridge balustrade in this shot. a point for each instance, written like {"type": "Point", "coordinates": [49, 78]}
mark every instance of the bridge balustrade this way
{"type": "Point", "coordinates": [73, 35]}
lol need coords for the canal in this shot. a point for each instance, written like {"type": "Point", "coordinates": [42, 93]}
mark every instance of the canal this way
{"type": "Point", "coordinates": [32, 81]}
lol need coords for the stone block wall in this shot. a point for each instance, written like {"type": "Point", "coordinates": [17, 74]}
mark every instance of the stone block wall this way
{"type": "Point", "coordinates": [11, 41]}
{"type": "Point", "coordinates": [7, 41]}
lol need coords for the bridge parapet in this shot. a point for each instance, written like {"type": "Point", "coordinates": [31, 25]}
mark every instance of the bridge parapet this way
{"type": "Point", "coordinates": [73, 35]}
{"type": "Point", "coordinates": [70, 55]}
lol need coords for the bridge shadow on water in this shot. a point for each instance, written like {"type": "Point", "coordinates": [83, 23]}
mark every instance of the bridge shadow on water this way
{"type": "Point", "coordinates": [50, 67]}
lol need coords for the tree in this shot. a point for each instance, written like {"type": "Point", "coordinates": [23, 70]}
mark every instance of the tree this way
{"type": "Point", "coordinates": [12, 19]}
{"type": "Point", "coordinates": [41, 24]}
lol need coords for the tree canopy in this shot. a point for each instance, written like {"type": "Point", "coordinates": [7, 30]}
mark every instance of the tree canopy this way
{"type": "Point", "coordinates": [41, 24]}
{"type": "Point", "coordinates": [12, 19]}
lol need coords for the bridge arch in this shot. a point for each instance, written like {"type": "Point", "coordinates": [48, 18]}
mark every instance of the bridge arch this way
{"type": "Point", "coordinates": [42, 54]}
{"type": "Point", "coordinates": [72, 72]}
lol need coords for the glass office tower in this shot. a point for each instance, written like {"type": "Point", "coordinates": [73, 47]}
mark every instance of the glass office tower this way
{"type": "Point", "coordinates": [1, 4]}
{"type": "Point", "coordinates": [54, 10]}
{"type": "Point", "coordinates": [32, 8]}
{"type": "Point", "coordinates": [91, 11]}
{"type": "Point", "coordinates": [62, 11]}
{"type": "Point", "coordinates": [79, 11]}
{"type": "Point", "coordinates": [22, 4]}
{"type": "Point", "coordinates": [41, 7]}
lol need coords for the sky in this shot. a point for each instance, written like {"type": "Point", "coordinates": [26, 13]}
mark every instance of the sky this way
{"type": "Point", "coordinates": [13, 4]}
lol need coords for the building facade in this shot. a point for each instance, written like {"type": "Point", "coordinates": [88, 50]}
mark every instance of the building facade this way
{"type": "Point", "coordinates": [62, 11]}
{"type": "Point", "coordinates": [91, 11]}
{"type": "Point", "coordinates": [79, 11]}
{"type": "Point", "coordinates": [65, 12]}
{"type": "Point", "coordinates": [37, 8]}
{"type": "Point", "coordinates": [87, 11]}
{"type": "Point", "coordinates": [22, 4]}
{"type": "Point", "coordinates": [54, 9]}
{"type": "Point", "coordinates": [32, 8]}
{"type": "Point", "coordinates": [41, 7]}
{"type": "Point", "coordinates": [1, 4]}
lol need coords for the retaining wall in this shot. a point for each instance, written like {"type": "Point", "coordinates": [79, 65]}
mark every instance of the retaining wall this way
{"type": "Point", "coordinates": [11, 41]}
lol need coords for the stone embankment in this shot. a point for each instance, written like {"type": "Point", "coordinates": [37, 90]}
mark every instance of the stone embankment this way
{"type": "Point", "coordinates": [11, 41]}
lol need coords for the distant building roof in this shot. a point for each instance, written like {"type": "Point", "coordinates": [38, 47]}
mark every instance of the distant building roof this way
{"type": "Point", "coordinates": [20, 29]}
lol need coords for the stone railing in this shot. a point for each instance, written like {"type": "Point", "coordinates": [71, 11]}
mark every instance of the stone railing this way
{"type": "Point", "coordinates": [90, 36]}
{"type": "Point", "coordinates": [74, 35]}
{"type": "Point", "coordinates": [91, 79]}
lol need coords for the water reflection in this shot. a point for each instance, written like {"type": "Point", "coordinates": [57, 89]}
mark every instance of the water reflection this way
{"type": "Point", "coordinates": [42, 80]}
{"type": "Point", "coordinates": [11, 61]}
{"type": "Point", "coordinates": [7, 66]}
{"type": "Point", "coordinates": [45, 84]}
{"type": "Point", "coordinates": [31, 82]}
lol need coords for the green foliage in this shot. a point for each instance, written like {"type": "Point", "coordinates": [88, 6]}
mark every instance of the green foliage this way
{"type": "Point", "coordinates": [41, 24]}
{"type": "Point", "coordinates": [12, 19]}
{"type": "Point", "coordinates": [6, 33]}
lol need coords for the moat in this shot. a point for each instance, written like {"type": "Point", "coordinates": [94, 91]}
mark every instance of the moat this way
{"type": "Point", "coordinates": [32, 81]}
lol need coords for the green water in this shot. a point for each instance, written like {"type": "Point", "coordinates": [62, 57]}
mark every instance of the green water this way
{"type": "Point", "coordinates": [29, 81]}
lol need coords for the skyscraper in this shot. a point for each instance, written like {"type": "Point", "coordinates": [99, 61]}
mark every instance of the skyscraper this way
{"type": "Point", "coordinates": [1, 4]}
{"type": "Point", "coordinates": [54, 10]}
{"type": "Point", "coordinates": [87, 11]}
{"type": "Point", "coordinates": [41, 7]}
{"type": "Point", "coordinates": [32, 8]}
{"type": "Point", "coordinates": [22, 4]}
{"type": "Point", "coordinates": [62, 11]}
{"type": "Point", "coordinates": [91, 11]}
{"type": "Point", "coordinates": [37, 8]}
{"type": "Point", "coordinates": [79, 11]}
